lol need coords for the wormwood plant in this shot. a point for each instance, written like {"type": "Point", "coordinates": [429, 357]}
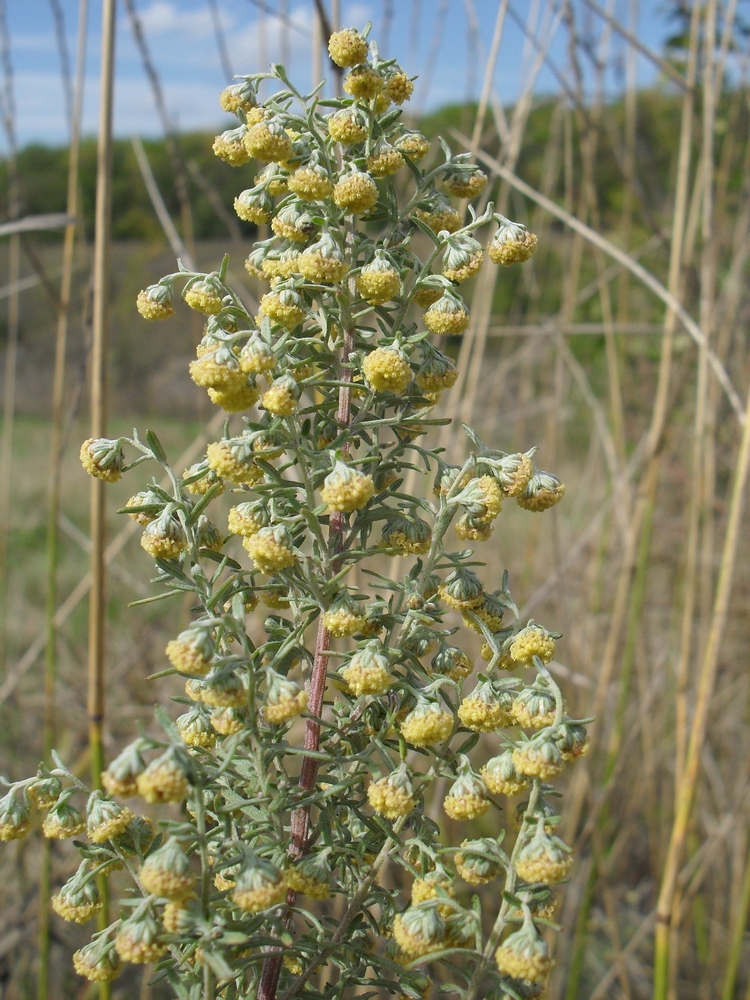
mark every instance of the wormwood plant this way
{"type": "Point", "coordinates": [270, 880]}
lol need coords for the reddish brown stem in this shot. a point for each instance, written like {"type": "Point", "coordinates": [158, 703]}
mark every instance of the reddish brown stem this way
{"type": "Point", "coordinates": [300, 821]}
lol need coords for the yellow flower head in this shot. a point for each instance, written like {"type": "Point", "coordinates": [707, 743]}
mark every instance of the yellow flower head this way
{"type": "Point", "coordinates": [539, 758]}
{"type": "Point", "coordinates": [106, 819]}
{"type": "Point", "coordinates": [15, 818]}
{"type": "Point", "coordinates": [166, 872]}
{"type": "Point", "coordinates": [543, 858]}
{"type": "Point", "coordinates": [284, 699]}
{"type": "Point", "coordinates": [413, 144]}
{"type": "Point", "coordinates": [356, 192]}
{"type": "Point", "coordinates": [345, 489]}
{"type": "Point", "coordinates": [322, 262]}
{"type": "Point", "coordinates": [348, 126]}
{"type": "Point", "coordinates": [103, 459]}
{"type": "Point", "coordinates": [448, 315]}
{"type": "Point", "coordinates": [392, 796]}
{"type": "Point", "coordinates": [418, 931]}
{"type": "Point", "coordinates": [485, 709]}
{"type": "Point", "coordinates": [253, 205]}
{"type": "Point", "coordinates": [347, 47]}
{"type": "Point", "coordinates": [512, 244]}
{"type": "Point", "coordinates": [268, 141]}
{"type": "Point", "coordinates": [524, 955]}
{"type": "Point", "coordinates": [204, 296]}
{"type": "Point", "coordinates": [230, 147]}
{"type": "Point", "coordinates": [137, 941]}
{"type": "Point", "coordinates": [192, 651]}
{"type": "Point", "coordinates": [479, 861]}
{"type": "Point", "coordinates": [155, 302]}
{"type": "Point", "coordinates": [232, 459]}
{"type": "Point", "coordinates": [501, 777]}
{"type": "Point", "coordinates": [281, 398]}
{"type": "Point", "coordinates": [257, 356]}
{"type": "Point", "coordinates": [363, 82]}
{"type": "Point", "coordinates": [427, 724]}
{"type": "Point", "coordinates": [271, 549]}
{"type": "Point", "coordinates": [387, 369]}
{"type": "Point", "coordinates": [246, 519]}
{"type": "Point", "coordinates": [311, 182]}
{"type": "Point", "coordinates": [399, 87]}
{"type": "Point", "coordinates": [367, 672]}
{"type": "Point", "coordinates": [164, 780]}
{"type": "Point", "coordinates": [465, 184]}
{"type": "Point", "coordinates": [378, 281]}
{"type": "Point", "coordinates": [259, 886]}
{"type": "Point", "coordinates": [530, 642]}
{"type": "Point", "coordinates": [467, 798]}
{"type": "Point", "coordinates": [385, 160]}
{"type": "Point", "coordinates": [286, 308]}
{"type": "Point", "coordinates": [63, 821]}
{"type": "Point", "coordinates": [541, 492]}
{"type": "Point", "coordinates": [97, 961]}
{"type": "Point", "coordinates": [238, 97]}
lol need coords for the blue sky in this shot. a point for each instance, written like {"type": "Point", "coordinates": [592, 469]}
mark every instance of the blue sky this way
{"type": "Point", "coordinates": [183, 44]}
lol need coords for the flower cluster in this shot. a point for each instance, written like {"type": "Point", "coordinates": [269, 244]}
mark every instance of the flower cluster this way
{"type": "Point", "coordinates": [327, 388]}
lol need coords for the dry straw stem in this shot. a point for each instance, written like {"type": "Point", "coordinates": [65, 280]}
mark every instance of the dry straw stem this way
{"type": "Point", "coordinates": [704, 692]}
{"type": "Point", "coordinates": [55, 473]}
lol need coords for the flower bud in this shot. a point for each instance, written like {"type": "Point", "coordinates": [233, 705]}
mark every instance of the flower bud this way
{"type": "Point", "coordinates": [345, 489]}
{"type": "Point", "coordinates": [512, 472]}
{"type": "Point", "coordinates": [363, 82]}
{"type": "Point", "coordinates": [427, 723]}
{"type": "Point", "coordinates": [356, 192]}
{"type": "Point", "coordinates": [462, 589]}
{"type": "Point", "coordinates": [285, 307]}
{"type": "Point", "coordinates": [512, 244]}
{"type": "Point", "coordinates": [311, 182]}
{"type": "Point", "coordinates": [348, 126]}
{"type": "Point", "coordinates": [78, 900]}
{"type": "Point", "coordinates": [344, 617]}
{"type": "Point", "coordinates": [98, 961]}
{"type": "Point", "coordinates": [311, 875]}
{"type": "Point", "coordinates": [259, 886]}
{"type": "Point", "coordinates": [15, 818]}
{"type": "Point", "coordinates": [246, 519]}
{"type": "Point", "coordinates": [204, 295]}
{"type": "Point", "coordinates": [105, 819]}
{"type": "Point", "coordinates": [387, 369]}
{"type": "Point", "coordinates": [323, 262]}
{"type": "Point", "coordinates": [530, 642]}
{"type": "Point", "coordinates": [293, 222]}
{"type": "Point", "coordinates": [155, 302]}
{"type": "Point", "coordinates": [572, 740]}
{"type": "Point", "coordinates": [347, 47]}
{"type": "Point", "coordinates": [271, 549]}
{"type": "Point", "coordinates": [228, 721]}
{"type": "Point", "coordinates": [121, 776]}
{"type": "Point", "coordinates": [63, 821]}
{"type": "Point", "coordinates": [137, 939]}
{"type": "Point", "coordinates": [385, 160]}
{"type": "Point", "coordinates": [224, 689]}
{"type": "Point", "coordinates": [230, 146]}
{"type": "Point", "coordinates": [254, 205]}
{"type": "Point", "coordinates": [462, 258]}
{"type": "Point", "coordinates": [413, 144]}
{"type": "Point", "coordinates": [482, 499]}
{"type": "Point", "coordinates": [103, 459]}
{"type": "Point", "coordinates": [164, 780]}
{"type": "Point", "coordinates": [454, 662]}
{"type": "Point", "coordinates": [541, 492]}
{"type": "Point", "coordinates": [281, 398]}
{"type": "Point", "coordinates": [486, 708]}
{"type": "Point", "coordinates": [379, 281]}
{"type": "Point", "coordinates": [543, 858]}
{"type": "Point", "coordinates": [166, 872]}
{"type": "Point", "coordinates": [467, 798]}
{"type": "Point", "coordinates": [480, 861]}
{"type": "Point", "coordinates": [44, 792]}
{"type": "Point", "coordinates": [284, 699]}
{"type": "Point", "coordinates": [419, 930]}
{"type": "Point", "coordinates": [534, 707]}
{"type": "Point", "coordinates": [539, 758]}
{"type": "Point", "coordinates": [367, 671]}
{"type": "Point", "coordinates": [524, 954]}
{"type": "Point", "coordinates": [268, 141]}
{"type": "Point", "coordinates": [192, 652]}
{"type": "Point", "coordinates": [464, 183]}
{"type": "Point", "coordinates": [408, 534]}
{"type": "Point", "coordinates": [195, 728]}
{"type": "Point", "coordinates": [501, 777]}
{"type": "Point", "coordinates": [232, 459]}
{"type": "Point", "coordinates": [392, 796]}
{"type": "Point", "coordinates": [448, 315]}
{"type": "Point", "coordinates": [164, 538]}
{"type": "Point", "coordinates": [256, 356]}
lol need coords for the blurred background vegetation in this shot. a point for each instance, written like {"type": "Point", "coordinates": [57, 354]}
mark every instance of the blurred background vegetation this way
{"type": "Point", "coordinates": [575, 352]}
